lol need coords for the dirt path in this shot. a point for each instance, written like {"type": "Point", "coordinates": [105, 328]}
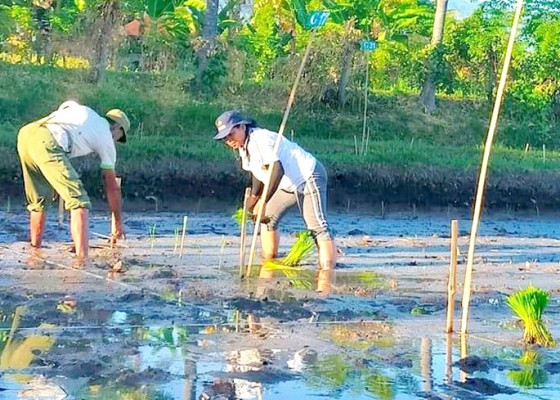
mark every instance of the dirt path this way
{"type": "Point", "coordinates": [164, 327]}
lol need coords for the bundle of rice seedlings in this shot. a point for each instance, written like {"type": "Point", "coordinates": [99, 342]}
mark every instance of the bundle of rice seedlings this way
{"type": "Point", "coordinates": [530, 357]}
{"type": "Point", "coordinates": [528, 378]}
{"type": "Point", "coordinates": [298, 277]}
{"type": "Point", "coordinates": [300, 250]}
{"type": "Point", "coordinates": [289, 265]}
{"type": "Point", "coordinates": [529, 304]}
{"type": "Point", "coordinates": [238, 216]}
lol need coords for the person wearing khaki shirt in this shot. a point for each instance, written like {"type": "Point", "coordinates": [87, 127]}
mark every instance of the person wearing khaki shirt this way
{"type": "Point", "coordinates": [45, 148]}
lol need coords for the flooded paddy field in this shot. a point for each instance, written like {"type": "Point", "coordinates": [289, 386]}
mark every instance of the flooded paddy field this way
{"type": "Point", "coordinates": [140, 322]}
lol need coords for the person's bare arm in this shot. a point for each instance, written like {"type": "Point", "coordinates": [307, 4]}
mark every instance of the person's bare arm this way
{"type": "Point", "coordinates": [114, 199]}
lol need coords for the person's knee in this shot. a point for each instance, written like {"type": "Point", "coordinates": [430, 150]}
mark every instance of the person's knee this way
{"type": "Point", "coordinates": [77, 202]}
{"type": "Point", "coordinates": [321, 234]}
{"type": "Point", "coordinates": [36, 206]}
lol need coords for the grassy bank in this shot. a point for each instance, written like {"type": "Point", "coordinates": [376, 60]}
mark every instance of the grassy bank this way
{"type": "Point", "coordinates": [412, 158]}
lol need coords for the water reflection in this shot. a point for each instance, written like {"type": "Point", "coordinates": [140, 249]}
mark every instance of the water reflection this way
{"type": "Point", "coordinates": [18, 353]}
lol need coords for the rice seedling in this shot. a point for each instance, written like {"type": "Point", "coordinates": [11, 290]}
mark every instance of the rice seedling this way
{"type": "Point", "coordinates": [8, 205]}
{"type": "Point", "coordinates": [238, 216]}
{"type": "Point", "coordinates": [152, 235]}
{"type": "Point", "coordinates": [529, 304]}
{"type": "Point", "coordinates": [177, 233]}
{"type": "Point", "coordinates": [528, 378]}
{"type": "Point", "coordinates": [298, 277]}
{"type": "Point", "coordinates": [530, 357]}
{"type": "Point", "coordinates": [222, 247]}
{"type": "Point", "coordinates": [289, 265]}
{"type": "Point", "coordinates": [300, 250]}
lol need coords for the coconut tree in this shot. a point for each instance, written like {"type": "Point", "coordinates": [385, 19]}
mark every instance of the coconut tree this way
{"type": "Point", "coordinates": [108, 12]}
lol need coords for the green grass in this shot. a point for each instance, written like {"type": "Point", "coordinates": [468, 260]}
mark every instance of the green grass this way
{"type": "Point", "coordinates": [170, 150]}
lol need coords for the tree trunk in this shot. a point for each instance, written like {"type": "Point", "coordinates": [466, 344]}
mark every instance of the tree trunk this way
{"type": "Point", "coordinates": [209, 34]}
{"type": "Point", "coordinates": [428, 93]}
{"type": "Point", "coordinates": [108, 13]}
{"type": "Point", "coordinates": [346, 62]}
{"type": "Point", "coordinates": [347, 54]}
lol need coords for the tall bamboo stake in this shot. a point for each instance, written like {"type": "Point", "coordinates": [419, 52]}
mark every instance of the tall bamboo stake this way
{"type": "Point", "coordinates": [243, 233]}
{"type": "Point", "coordinates": [276, 145]}
{"type": "Point", "coordinates": [452, 285]}
{"type": "Point", "coordinates": [484, 169]}
{"type": "Point", "coordinates": [365, 105]}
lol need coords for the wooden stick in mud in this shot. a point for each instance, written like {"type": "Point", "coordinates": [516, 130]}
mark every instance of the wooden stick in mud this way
{"type": "Point", "coordinates": [60, 211]}
{"type": "Point", "coordinates": [185, 220]}
{"type": "Point", "coordinates": [452, 285]}
{"type": "Point", "coordinates": [484, 168]}
{"type": "Point", "coordinates": [243, 234]}
{"type": "Point", "coordinates": [264, 194]}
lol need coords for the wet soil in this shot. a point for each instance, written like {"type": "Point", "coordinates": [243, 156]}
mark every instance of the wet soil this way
{"type": "Point", "coordinates": [171, 327]}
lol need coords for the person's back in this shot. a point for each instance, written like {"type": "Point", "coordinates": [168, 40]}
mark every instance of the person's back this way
{"type": "Point", "coordinates": [79, 131]}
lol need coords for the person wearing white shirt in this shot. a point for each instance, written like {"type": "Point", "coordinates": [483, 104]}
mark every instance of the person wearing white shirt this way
{"type": "Point", "coordinates": [45, 148]}
{"type": "Point", "coordinates": [296, 178]}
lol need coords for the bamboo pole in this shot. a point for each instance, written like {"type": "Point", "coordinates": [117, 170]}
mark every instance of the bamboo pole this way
{"type": "Point", "coordinates": [276, 145]}
{"type": "Point", "coordinates": [452, 285]}
{"type": "Point", "coordinates": [449, 359]}
{"type": "Point", "coordinates": [185, 220]}
{"type": "Point", "coordinates": [243, 233]}
{"type": "Point", "coordinates": [426, 363]}
{"type": "Point", "coordinates": [464, 353]}
{"type": "Point", "coordinates": [484, 168]}
{"type": "Point", "coordinates": [365, 105]}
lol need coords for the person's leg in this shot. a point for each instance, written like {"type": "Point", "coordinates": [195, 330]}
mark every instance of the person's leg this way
{"type": "Point", "coordinates": [79, 227]}
{"type": "Point", "coordinates": [57, 170]}
{"type": "Point", "coordinates": [36, 227]}
{"type": "Point", "coordinates": [314, 206]}
{"type": "Point", "coordinates": [276, 207]}
{"type": "Point", "coordinates": [269, 244]}
{"type": "Point", "coordinates": [36, 188]}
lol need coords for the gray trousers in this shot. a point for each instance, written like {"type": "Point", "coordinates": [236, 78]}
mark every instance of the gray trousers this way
{"type": "Point", "coordinates": [312, 202]}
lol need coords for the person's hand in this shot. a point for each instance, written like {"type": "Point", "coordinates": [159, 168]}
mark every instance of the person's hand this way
{"type": "Point", "coordinates": [117, 233]}
{"type": "Point", "coordinates": [260, 204]}
{"type": "Point", "coordinates": [252, 202]}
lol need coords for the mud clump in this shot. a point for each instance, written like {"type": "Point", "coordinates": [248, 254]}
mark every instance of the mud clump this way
{"type": "Point", "coordinates": [485, 387]}
{"type": "Point", "coordinates": [149, 375]}
{"type": "Point", "coordinates": [472, 364]}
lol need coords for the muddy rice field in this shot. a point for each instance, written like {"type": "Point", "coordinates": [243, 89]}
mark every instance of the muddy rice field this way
{"type": "Point", "coordinates": [140, 321]}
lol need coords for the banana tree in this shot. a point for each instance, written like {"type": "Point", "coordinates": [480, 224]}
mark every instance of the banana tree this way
{"type": "Point", "coordinates": [387, 21]}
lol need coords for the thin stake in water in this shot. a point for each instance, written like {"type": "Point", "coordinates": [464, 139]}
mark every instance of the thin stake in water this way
{"type": "Point", "coordinates": [243, 233]}
{"type": "Point", "coordinates": [452, 285]}
{"type": "Point", "coordinates": [222, 247]}
{"type": "Point", "coordinates": [185, 219]}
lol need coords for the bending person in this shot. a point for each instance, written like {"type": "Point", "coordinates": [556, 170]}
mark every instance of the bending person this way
{"type": "Point", "coordinates": [45, 148]}
{"type": "Point", "coordinates": [297, 178]}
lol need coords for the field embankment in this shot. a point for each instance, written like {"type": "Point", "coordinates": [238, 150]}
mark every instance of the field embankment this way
{"type": "Point", "coordinates": [411, 158]}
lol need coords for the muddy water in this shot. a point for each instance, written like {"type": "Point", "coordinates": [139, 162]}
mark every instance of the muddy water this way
{"type": "Point", "coordinates": [170, 327]}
